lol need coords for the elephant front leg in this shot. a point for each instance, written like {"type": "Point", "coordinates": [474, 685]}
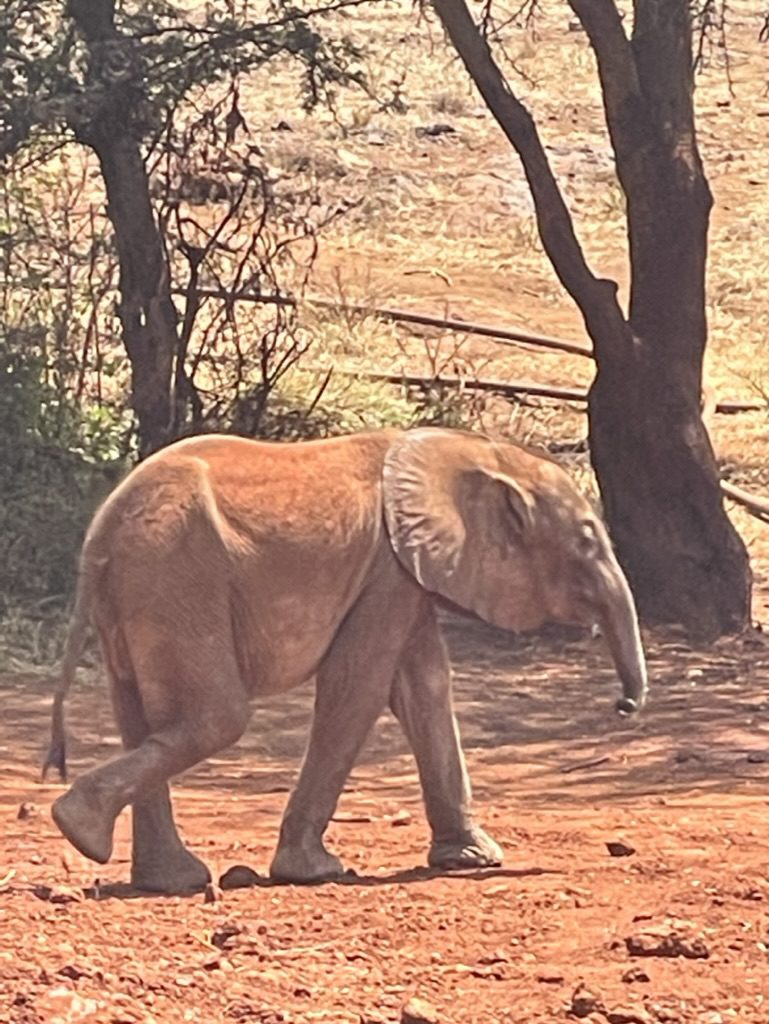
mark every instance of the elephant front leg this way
{"type": "Point", "coordinates": [346, 708]}
{"type": "Point", "coordinates": [352, 688]}
{"type": "Point", "coordinates": [160, 861]}
{"type": "Point", "coordinates": [421, 701]}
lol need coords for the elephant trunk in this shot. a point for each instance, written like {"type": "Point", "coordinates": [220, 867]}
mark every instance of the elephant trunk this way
{"type": "Point", "coordinates": [619, 624]}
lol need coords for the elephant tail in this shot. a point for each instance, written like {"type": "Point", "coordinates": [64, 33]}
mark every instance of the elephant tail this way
{"type": "Point", "coordinates": [77, 634]}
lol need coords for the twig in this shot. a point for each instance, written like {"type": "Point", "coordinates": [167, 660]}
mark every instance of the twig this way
{"type": "Point", "coordinates": [758, 507]}
{"type": "Point", "coordinates": [494, 386]}
{"type": "Point", "coordinates": [500, 334]}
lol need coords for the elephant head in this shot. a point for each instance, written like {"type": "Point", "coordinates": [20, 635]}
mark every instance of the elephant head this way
{"type": "Point", "coordinates": [503, 533]}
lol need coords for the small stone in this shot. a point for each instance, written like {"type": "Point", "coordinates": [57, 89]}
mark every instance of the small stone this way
{"type": "Point", "coordinates": [585, 1002]}
{"type": "Point", "coordinates": [619, 849]}
{"type": "Point", "coordinates": [667, 944]}
{"type": "Point", "coordinates": [212, 893]}
{"type": "Point", "coordinates": [628, 1015]}
{"type": "Point", "coordinates": [73, 972]}
{"type": "Point", "coordinates": [239, 876]}
{"type": "Point", "coordinates": [401, 818]}
{"type": "Point", "coordinates": [635, 974]}
{"type": "Point", "coordinates": [418, 1011]}
{"type": "Point", "coordinates": [58, 894]}
{"type": "Point", "coordinates": [223, 937]}
{"type": "Point", "coordinates": [432, 131]}
{"type": "Point", "coordinates": [26, 812]}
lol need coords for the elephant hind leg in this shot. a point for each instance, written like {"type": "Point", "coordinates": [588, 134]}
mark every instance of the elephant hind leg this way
{"type": "Point", "coordinates": [421, 701]}
{"type": "Point", "coordinates": [160, 862]}
{"type": "Point", "coordinates": [183, 710]}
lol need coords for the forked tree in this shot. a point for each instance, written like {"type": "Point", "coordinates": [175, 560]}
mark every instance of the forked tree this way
{"type": "Point", "coordinates": [655, 466]}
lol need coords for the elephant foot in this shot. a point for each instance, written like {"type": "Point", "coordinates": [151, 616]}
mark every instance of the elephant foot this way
{"type": "Point", "coordinates": [305, 864]}
{"type": "Point", "coordinates": [176, 872]}
{"type": "Point", "coordinates": [471, 849]}
{"type": "Point", "coordinates": [82, 819]}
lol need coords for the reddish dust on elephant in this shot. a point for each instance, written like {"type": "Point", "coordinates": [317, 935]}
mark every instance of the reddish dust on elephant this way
{"type": "Point", "coordinates": [217, 572]}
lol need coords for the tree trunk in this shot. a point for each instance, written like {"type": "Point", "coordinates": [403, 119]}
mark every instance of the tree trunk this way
{"type": "Point", "coordinates": [655, 467]}
{"type": "Point", "coordinates": [111, 127]}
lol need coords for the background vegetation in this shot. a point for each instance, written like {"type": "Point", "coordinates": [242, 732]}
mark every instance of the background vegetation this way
{"type": "Point", "coordinates": [319, 159]}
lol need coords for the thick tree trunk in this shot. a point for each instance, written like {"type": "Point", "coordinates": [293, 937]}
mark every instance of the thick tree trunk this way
{"type": "Point", "coordinates": [111, 127]}
{"type": "Point", "coordinates": [655, 467]}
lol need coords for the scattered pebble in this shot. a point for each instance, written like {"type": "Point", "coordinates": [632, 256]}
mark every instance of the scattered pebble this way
{"type": "Point", "coordinates": [401, 818]}
{"type": "Point", "coordinates": [619, 849]}
{"type": "Point", "coordinates": [418, 1011]}
{"type": "Point", "coordinates": [432, 131]}
{"type": "Point", "coordinates": [585, 1002]}
{"type": "Point", "coordinates": [635, 974]}
{"type": "Point", "coordinates": [26, 812]}
{"type": "Point", "coordinates": [239, 876]}
{"type": "Point", "coordinates": [212, 893]}
{"type": "Point", "coordinates": [628, 1015]}
{"type": "Point", "coordinates": [58, 893]}
{"type": "Point", "coordinates": [667, 944]}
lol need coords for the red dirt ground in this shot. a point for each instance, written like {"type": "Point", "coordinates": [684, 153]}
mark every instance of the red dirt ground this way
{"type": "Point", "coordinates": [557, 776]}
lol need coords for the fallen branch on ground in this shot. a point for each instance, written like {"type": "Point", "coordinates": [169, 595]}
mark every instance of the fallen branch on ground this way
{"type": "Point", "coordinates": [758, 507]}
{"type": "Point", "coordinates": [510, 390]}
{"type": "Point", "coordinates": [502, 336]}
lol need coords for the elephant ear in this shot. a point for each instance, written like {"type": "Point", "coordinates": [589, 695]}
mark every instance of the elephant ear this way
{"type": "Point", "coordinates": [458, 523]}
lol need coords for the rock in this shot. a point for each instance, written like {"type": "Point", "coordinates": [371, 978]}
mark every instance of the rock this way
{"type": "Point", "coordinates": [223, 937]}
{"type": "Point", "coordinates": [400, 818]}
{"type": "Point", "coordinates": [58, 893]}
{"type": "Point", "coordinates": [26, 812]}
{"type": "Point", "coordinates": [635, 974]}
{"type": "Point", "coordinates": [212, 893]}
{"type": "Point", "coordinates": [418, 1011]}
{"type": "Point", "coordinates": [619, 849]}
{"type": "Point", "coordinates": [432, 131]}
{"type": "Point", "coordinates": [667, 944]}
{"type": "Point", "coordinates": [628, 1015]}
{"type": "Point", "coordinates": [585, 1002]}
{"type": "Point", "coordinates": [239, 876]}
{"type": "Point", "coordinates": [73, 972]}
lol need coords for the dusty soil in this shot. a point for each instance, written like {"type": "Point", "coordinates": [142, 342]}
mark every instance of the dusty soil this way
{"type": "Point", "coordinates": [557, 776]}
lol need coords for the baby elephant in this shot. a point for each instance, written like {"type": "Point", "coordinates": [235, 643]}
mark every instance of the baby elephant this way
{"type": "Point", "coordinates": [222, 568]}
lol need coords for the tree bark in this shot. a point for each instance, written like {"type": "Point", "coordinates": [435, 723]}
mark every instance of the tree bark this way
{"type": "Point", "coordinates": [657, 471]}
{"type": "Point", "coordinates": [110, 125]}
{"type": "Point", "coordinates": [655, 467]}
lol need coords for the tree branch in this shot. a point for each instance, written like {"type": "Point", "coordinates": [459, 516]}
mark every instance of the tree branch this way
{"type": "Point", "coordinates": [626, 115]}
{"type": "Point", "coordinates": [553, 218]}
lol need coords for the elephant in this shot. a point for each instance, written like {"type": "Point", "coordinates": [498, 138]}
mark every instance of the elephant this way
{"type": "Point", "coordinates": [224, 567]}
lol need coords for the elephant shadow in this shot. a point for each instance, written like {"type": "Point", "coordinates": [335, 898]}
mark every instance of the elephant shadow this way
{"type": "Point", "coordinates": [407, 876]}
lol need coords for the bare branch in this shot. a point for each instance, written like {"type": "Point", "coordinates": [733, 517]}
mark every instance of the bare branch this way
{"type": "Point", "coordinates": [596, 297]}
